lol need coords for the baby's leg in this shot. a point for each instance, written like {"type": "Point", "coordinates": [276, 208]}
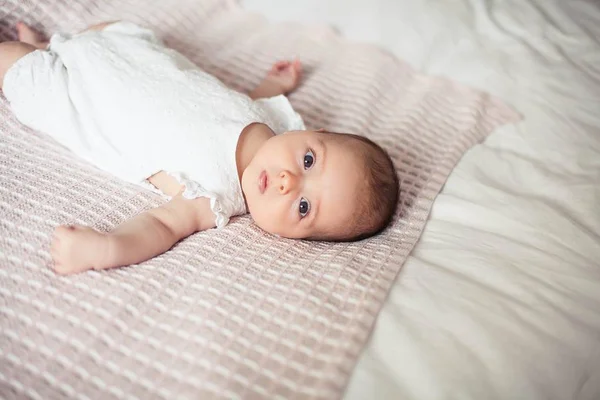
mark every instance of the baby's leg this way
{"type": "Point", "coordinates": [29, 36]}
{"type": "Point", "coordinates": [10, 52]}
{"type": "Point", "coordinates": [100, 26]}
{"type": "Point", "coordinates": [283, 78]}
{"type": "Point", "coordinates": [29, 41]}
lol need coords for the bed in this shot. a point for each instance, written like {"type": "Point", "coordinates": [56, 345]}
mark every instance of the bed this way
{"type": "Point", "coordinates": [500, 299]}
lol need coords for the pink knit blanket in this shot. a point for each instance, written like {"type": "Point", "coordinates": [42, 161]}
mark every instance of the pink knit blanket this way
{"type": "Point", "coordinates": [233, 313]}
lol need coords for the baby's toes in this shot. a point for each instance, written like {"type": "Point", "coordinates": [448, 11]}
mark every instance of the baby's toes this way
{"type": "Point", "coordinates": [297, 65]}
{"type": "Point", "coordinates": [280, 66]}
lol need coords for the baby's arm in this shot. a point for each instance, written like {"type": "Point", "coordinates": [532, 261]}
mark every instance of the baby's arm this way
{"type": "Point", "coordinates": [77, 248]}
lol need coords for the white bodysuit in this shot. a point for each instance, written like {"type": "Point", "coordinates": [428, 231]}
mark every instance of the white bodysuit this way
{"type": "Point", "coordinates": [132, 107]}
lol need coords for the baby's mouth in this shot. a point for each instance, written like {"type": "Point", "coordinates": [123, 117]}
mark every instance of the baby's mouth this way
{"type": "Point", "coordinates": [263, 182]}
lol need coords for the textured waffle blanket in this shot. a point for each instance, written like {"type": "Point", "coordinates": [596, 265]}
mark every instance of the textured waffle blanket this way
{"type": "Point", "coordinates": [234, 313]}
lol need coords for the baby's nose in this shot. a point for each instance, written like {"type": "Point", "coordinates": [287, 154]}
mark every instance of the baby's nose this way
{"type": "Point", "coordinates": [288, 182]}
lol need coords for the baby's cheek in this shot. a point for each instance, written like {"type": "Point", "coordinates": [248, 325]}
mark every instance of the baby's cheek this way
{"type": "Point", "coordinates": [277, 224]}
{"type": "Point", "coordinates": [262, 218]}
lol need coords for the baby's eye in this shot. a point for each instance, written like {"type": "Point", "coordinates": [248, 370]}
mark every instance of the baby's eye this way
{"type": "Point", "coordinates": [309, 159]}
{"type": "Point", "coordinates": [304, 207]}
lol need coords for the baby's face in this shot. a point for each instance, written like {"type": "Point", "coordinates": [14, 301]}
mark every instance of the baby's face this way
{"type": "Point", "coordinates": [301, 184]}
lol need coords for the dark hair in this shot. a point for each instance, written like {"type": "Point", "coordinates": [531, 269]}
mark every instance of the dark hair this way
{"type": "Point", "coordinates": [376, 210]}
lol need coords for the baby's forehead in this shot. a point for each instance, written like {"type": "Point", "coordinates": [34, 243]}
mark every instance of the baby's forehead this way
{"type": "Point", "coordinates": [344, 182]}
{"type": "Point", "coordinates": [351, 150]}
{"type": "Point", "coordinates": [345, 141]}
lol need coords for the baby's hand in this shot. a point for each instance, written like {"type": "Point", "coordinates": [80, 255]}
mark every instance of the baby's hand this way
{"type": "Point", "coordinates": [286, 74]}
{"type": "Point", "coordinates": [78, 248]}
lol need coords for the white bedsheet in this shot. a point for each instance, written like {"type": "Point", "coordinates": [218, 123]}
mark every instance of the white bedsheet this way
{"type": "Point", "coordinates": [501, 297]}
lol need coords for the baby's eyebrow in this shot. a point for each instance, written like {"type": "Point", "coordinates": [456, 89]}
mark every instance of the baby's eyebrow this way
{"type": "Point", "coordinates": [321, 158]}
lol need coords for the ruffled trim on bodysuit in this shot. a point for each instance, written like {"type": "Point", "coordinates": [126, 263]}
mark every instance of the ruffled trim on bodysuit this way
{"type": "Point", "coordinates": [194, 190]}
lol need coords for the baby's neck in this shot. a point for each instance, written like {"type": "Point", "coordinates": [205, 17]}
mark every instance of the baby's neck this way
{"type": "Point", "coordinates": [251, 139]}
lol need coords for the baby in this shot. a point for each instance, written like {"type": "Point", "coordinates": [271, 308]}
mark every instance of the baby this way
{"type": "Point", "coordinates": [117, 97]}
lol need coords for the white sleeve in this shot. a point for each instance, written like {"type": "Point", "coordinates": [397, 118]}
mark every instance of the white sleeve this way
{"type": "Point", "coordinates": [131, 29]}
{"type": "Point", "coordinates": [281, 117]}
{"type": "Point", "coordinates": [220, 206]}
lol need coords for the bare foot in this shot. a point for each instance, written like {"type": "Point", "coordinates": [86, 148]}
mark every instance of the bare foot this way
{"type": "Point", "coordinates": [78, 248]}
{"type": "Point", "coordinates": [286, 74]}
{"type": "Point", "coordinates": [283, 77]}
{"type": "Point", "coordinates": [28, 35]}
